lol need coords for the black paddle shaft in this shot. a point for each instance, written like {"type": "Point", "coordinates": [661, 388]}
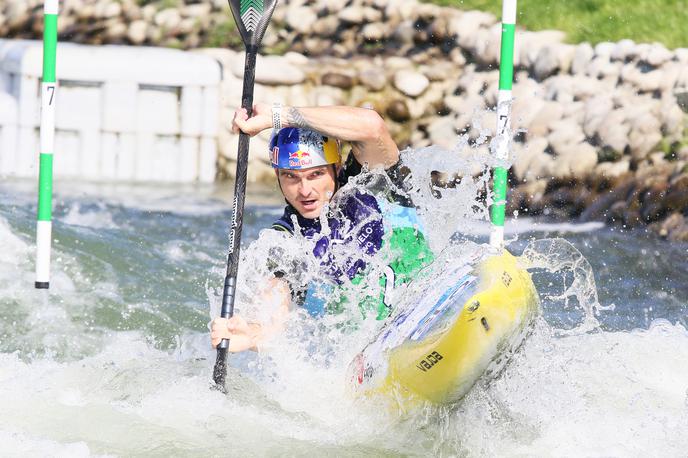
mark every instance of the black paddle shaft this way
{"type": "Point", "coordinates": [229, 290]}
{"type": "Point", "coordinates": [252, 18]}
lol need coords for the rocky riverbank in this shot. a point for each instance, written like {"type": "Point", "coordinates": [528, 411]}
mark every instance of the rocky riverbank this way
{"type": "Point", "coordinates": [600, 130]}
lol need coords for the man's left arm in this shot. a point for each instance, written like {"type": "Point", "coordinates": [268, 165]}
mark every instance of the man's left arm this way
{"type": "Point", "coordinates": [365, 129]}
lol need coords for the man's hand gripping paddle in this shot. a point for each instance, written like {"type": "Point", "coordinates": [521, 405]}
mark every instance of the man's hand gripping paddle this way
{"type": "Point", "coordinates": [252, 18]}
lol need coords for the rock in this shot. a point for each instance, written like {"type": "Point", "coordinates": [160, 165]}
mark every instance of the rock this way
{"type": "Point", "coordinates": [301, 18]}
{"type": "Point", "coordinates": [107, 10]}
{"type": "Point", "coordinates": [168, 18]}
{"type": "Point", "coordinates": [564, 134]}
{"type": "Point", "coordinates": [613, 169]}
{"type": "Point", "coordinates": [582, 56]}
{"type": "Point", "coordinates": [644, 81]}
{"type": "Point", "coordinates": [604, 49]}
{"type": "Point", "coordinates": [328, 95]}
{"type": "Point", "coordinates": [677, 195]}
{"type": "Point", "coordinates": [440, 71]}
{"type": "Point", "coordinates": [656, 55]}
{"type": "Point", "coordinates": [272, 70]}
{"type": "Point", "coordinates": [398, 111]}
{"type": "Point", "coordinates": [527, 157]}
{"type": "Point", "coordinates": [613, 132]}
{"type": "Point", "coordinates": [645, 134]}
{"type": "Point", "coordinates": [375, 31]}
{"type": "Point", "coordinates": [624, 51]}
{"type": "Point", "coordinates": [597, 108]}
{"type": "Point", "coordinates": [442, 133]}
{"type": "Point", "coordinates": [410, 82]}
{"type": "Point", "coordinates": [552, 59]}
{"type": "Point", "coordinates": [326, 26]}
{"type": "Point", "coordinates": [137, 32]}
{"type": "Point", "coordinates": [550, 112]}
{"type": "Point", "coordinates": [337, 80]}
{"type": "Point", "coordinates": [359, 15]}
{"type": "Point", "coordinates": [467, 24]}
{"type": "Point", "coordinates": [672, 116]}
{"type": "Point", "coordinates": [373, 78]}
{"type": "Point", "coordinates": [674, 228]}
{"type": "Point", "coordinates": [575, 160]}
{"type": "Point", "coordinates": [116, 31]}
{"type": "Point", "coordinates": [198, 10]}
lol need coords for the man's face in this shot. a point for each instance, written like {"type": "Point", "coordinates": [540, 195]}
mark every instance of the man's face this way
{"type": "Point", "coordinates": [309, 189]}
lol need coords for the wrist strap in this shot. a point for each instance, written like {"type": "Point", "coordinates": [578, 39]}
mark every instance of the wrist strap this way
{"type": "Point", "coordinates": [276, 119]}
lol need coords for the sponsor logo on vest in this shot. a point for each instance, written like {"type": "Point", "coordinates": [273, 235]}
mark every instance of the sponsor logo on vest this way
{"type": "Point", "coordinates": [429, 361]}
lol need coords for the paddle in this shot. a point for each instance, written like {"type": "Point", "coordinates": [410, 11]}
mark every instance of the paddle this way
{"type": "Point", "coordinates": [252, 18]}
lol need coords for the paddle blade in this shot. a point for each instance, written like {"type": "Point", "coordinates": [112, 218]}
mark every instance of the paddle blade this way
{"type": "Point", "coordinates": [252, 18]}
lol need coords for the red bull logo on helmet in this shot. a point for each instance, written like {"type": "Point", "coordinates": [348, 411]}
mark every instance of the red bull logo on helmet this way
{"type": "Point", "coordinates": [300, 158]}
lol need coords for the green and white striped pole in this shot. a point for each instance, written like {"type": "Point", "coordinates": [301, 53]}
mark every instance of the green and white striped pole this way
{"type": "Point", "coordinates": [503, 140]}
{"type": "Point", "coordinates": [45, 174]}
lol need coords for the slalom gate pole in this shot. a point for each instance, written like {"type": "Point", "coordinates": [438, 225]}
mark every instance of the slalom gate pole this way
{"type": "Point", "coordinates": [45, 174]}
{"type": "Point", "coordinates": [503, 140]}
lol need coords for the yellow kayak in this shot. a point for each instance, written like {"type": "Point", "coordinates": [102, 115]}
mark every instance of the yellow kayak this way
{"type": "Point", "coordinates": [461, 327]}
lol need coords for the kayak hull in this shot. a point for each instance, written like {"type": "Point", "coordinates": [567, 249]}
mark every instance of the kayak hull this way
{"type": "Point", "coordinates": [437, 350]}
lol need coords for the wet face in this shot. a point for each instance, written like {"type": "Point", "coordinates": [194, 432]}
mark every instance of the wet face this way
{"type": "Point", "coordinates": [308, 190]}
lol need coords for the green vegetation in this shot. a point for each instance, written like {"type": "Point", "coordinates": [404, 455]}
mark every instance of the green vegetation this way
{"type": "Point", "coordinates": [224, 34]}
{"type": "Point", "coordinates": [643, 21]}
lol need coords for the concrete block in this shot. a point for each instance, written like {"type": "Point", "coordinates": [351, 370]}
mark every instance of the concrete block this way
{"type": "Point", "coordinates": [158, 111]}
{"type": "Point", "coordinates": [29, 100]}
{"type": "Point", "coordinates": [66, 161]}
{"type": "Point", "coordinates": [26, 159]}
{"type": "Point", "coordinates": [165, 159]}
{"type": "Point", "coordinates": [8, 109]}
{"type": "Point", "coordinates": [90, 155]}
{"type": "Point", "coordinates": [78, 107]}
{"type": "Point", "coordinates": [145, 142]}
{"type": "Point", "coordinates": [8, 149]}
{"type": "Point", "coordinates": [109, 145]}
{"type": "Point", "coordinates": [127, 149]}
{"type": "Point", "coordinates": [119, 106]}
{"type": "Point", "coordinates": [192, 110]}
{"type": "Point", "coordinates": [211, 110]}
{"type": "Point", "coordinates": [188, 160]}
{"type": "Point", "coordinates": [207, 160]}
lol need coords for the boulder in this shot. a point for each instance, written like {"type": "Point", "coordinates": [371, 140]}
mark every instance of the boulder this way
{"type": "Point", "coordinates": [656, 55]}
{"type": "Point", "coordinates": [549, 113]}
{"type": "Point", "coordinates": [582, 56]}
{"type": "Point", "coordinates": [373, 78]}
{"type": "Point", "coordinates": [564, 134]}
{"type": "Point", "coordinates": [442, 133]}
{"type": "Point", "coordinates": [613, 169]}
{"type": "Point", "coordinates": [301, 18]}
{"type": "Point", "coordinates": [137, 32]}
{"type": "Point", "coordinates": [337, 80]}
{"type": "Point", "coordinates": [613, 131]}
{"type": "Point", "coordinates": [624, 51]}
{"type": "Point", "coordinates": [272, 70]}
{"type": "Point", "coordinates": [528, 156]}
{"type": "Point", "coordinates": [597, 108]}
{"type": "Point", "coordinates": [645, 134]}
{"type": "Point", "coordinates": [411, 82]}
{"type": "Point", "coordinates": [577, 160]}
{"type": "Point", "coordinates": [168, 18]}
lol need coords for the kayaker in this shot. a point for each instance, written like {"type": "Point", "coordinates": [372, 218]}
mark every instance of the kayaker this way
{"type": "Point", "coordinates": [306, 155]}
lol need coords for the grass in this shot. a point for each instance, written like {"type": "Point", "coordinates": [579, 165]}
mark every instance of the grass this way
{"type": "Point", "coordinates": [643, 21]}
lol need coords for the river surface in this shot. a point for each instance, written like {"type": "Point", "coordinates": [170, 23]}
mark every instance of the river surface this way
{"type": "Point", "coordinates": [115, 359]}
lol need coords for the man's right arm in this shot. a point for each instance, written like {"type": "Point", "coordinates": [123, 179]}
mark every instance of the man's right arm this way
{"type": "Point", "coordinates": [250, 336]}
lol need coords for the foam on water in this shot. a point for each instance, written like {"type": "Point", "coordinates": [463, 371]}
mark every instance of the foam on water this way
{"type": "Point", "coordinates": [115, 359]}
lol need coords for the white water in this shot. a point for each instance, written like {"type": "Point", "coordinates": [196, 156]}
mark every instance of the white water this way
{"type": "Point", "coordinates": [115, 359]}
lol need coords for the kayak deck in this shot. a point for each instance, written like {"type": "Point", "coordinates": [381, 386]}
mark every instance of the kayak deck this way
{"type": "Point", "coordinates": [459, 329]}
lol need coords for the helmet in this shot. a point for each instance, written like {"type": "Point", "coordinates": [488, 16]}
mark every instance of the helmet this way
{"type": "Point", "coordinates": [293, 148]}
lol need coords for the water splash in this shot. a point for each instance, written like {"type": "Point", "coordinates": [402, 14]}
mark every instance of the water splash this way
{"type": "Point", "coordinates": [559, 256]}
